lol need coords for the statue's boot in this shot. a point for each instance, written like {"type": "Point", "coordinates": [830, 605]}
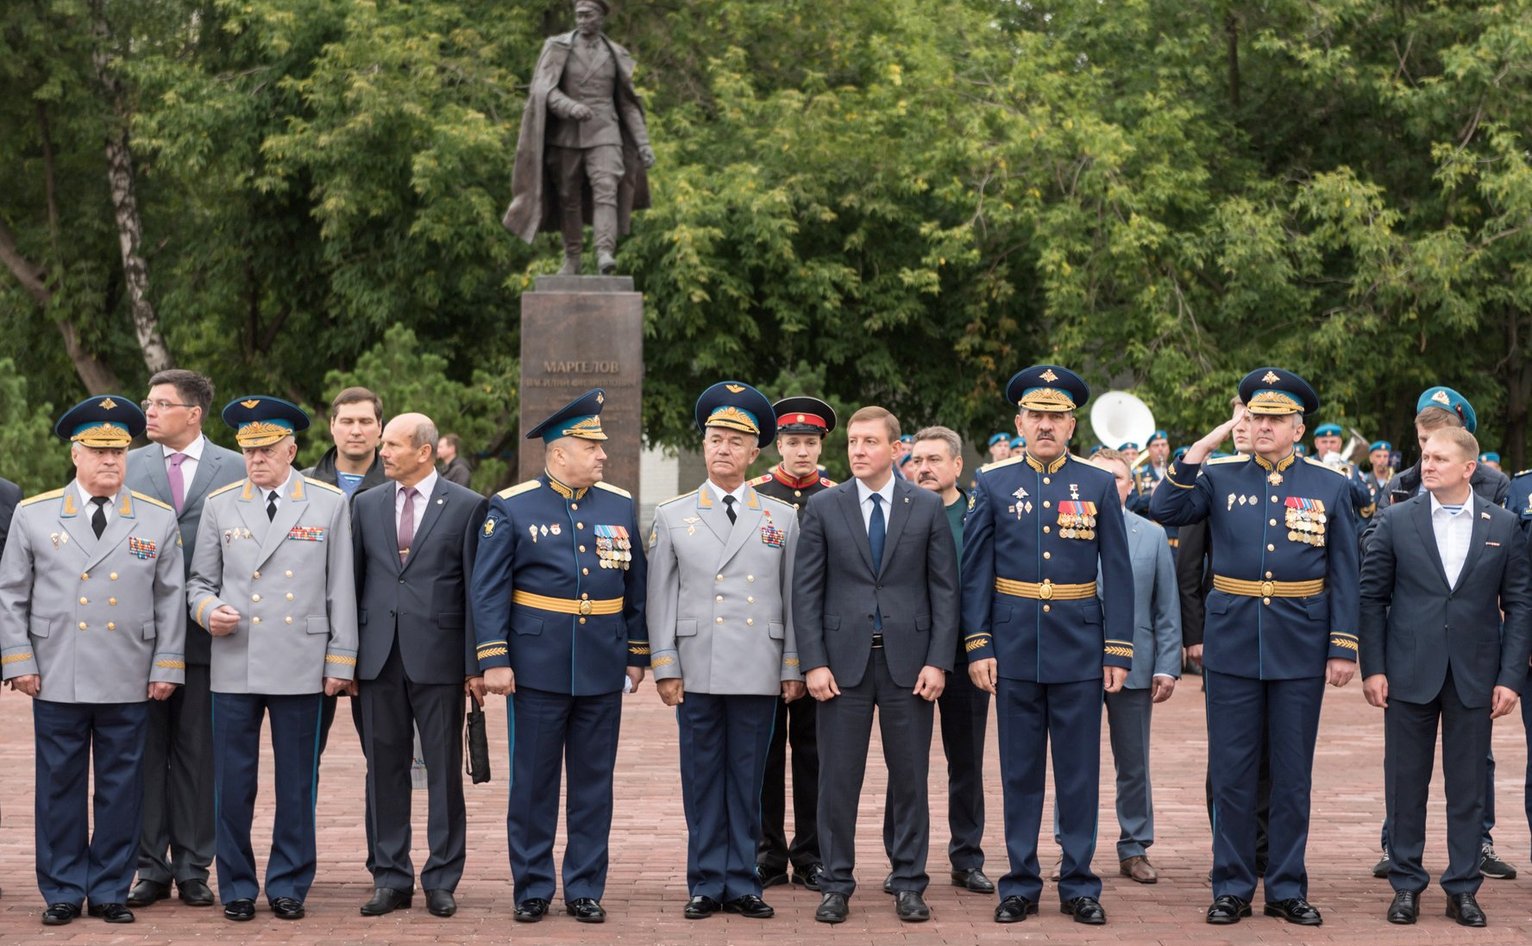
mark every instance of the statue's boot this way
{"type": "Point", "coordinates": [571, 265]}
{"type": "Point", "coordinates": [605, 225]}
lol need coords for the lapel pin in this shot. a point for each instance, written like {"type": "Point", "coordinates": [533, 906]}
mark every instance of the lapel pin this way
{"type": "Point", "coordinates": [1483, 515]}
{"type": "Point", "coordinates": [907, 499]}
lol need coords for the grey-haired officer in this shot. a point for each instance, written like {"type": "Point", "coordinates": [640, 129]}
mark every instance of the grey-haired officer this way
{"type": "Point", "coordinates": [721, 635]}
{"type": "Point", "coordinates": [1281, 623]}
{"type": "Point", "coordinates": [272, 581]}
{"type": "Point", "coordinates": [92, 626]}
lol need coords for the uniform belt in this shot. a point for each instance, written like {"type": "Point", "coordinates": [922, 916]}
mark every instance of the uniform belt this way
{"type": "Point", "coordinates": [567, 605]}
{"type": "Point", "coordinates": [1045, 591]}
{"type": "Point", "coordinates": [1268, 589]}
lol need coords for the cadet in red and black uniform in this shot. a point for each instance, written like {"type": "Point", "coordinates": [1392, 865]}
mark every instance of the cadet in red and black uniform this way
{"type": "Point", "coordinates": [802, 424]}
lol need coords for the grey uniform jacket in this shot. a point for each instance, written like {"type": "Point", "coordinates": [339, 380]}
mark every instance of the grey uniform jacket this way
{"type": "Point", "coordinates": [720, 594]}
{"type": "Point", "coordinates": [1156, 604]}
{"type": "Point", "coordinates": [217, 467]}
{"type": "Point", "coordinates": [98, 619]}
{"type": "Point", "coordinates": [290, 579]}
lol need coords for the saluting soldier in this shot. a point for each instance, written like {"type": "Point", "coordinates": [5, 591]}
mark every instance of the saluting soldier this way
{"type": "Point", "coordinates": [1042, 525]}
{"type": "Point", "coordinates": [272, 582]}
{"type": "Point", "coordinates": [92, 626]}
{"type": "Point", "coordinates": [802, 425]}
{"type": "Point", "coordinates": [720, 626]}
{"type": "Point", "coordinates": [558, 610]}
{"type": "Point", "coordinates": [1281, 622]}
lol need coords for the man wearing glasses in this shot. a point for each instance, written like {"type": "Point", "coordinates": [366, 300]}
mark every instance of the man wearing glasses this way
{"type": "Point", "coordinates": [179, 467]}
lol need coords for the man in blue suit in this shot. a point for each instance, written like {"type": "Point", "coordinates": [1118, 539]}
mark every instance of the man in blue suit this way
{"type": "Point", "coordinates": [1281, 623]}
{"type": "Point", "coordinates": [1441, 569]}
{"type": "Point", "coordinates": [1156, 667]}
{"type": "Point", "coordinates": [1042, 526]}
{"type": "Point", "coordinates": [557, 597]}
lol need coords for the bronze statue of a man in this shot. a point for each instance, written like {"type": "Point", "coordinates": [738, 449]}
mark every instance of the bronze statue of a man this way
{"type": "Point", "coordinates": [583, 146]}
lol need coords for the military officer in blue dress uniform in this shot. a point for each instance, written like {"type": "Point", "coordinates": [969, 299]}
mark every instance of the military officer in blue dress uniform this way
{"type": "Point", "coordinates": [802, 425]}
{"type": "Point", "coordinates": [92, 650]}
{"type": "Point", "coordinates": [1281, 622]}
{"type": "Point", "coordinates": [1042, 526]}
{"type": "Point", "coordinates": [558, 610]}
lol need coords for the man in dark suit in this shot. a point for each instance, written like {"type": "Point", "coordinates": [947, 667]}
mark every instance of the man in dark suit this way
{"type": "Point", "coordinates": [1440, 570]}
{"type": "Point", "coordinates": [10, 495]}
{"type": "Point", "coordinates": [414, 546]}
{"type": "Point", "coordinates": [875, 602]}
{"type": "Point", "coordinates": [179, 468]}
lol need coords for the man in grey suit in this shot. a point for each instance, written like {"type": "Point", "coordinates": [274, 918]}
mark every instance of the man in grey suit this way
{"type": "Point", "coordinates": [875, 607]}
{"type": "Point", "coordinates": [1440, 570]}
{"type": "Point", "coordinates": [273, 583]}
{"type": "Point", "coordinates": [179, 468]}
{"type": "Point", "coordinates": [1156, 667]}
{"type": "Point", "coordinates": [721, 644]}
{"type": "Point", "coordinates": [413, 544]}
{"type": "Point", "coordinates": [92, 625]}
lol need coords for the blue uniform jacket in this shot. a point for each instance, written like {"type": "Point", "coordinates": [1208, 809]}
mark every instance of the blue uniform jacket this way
{"type": "Point", "coordinates": [1291, 522]}
{"type": "Point", "coordinates": [1056, 522]}
{"type": "Point", "coordinates": [545, 539]}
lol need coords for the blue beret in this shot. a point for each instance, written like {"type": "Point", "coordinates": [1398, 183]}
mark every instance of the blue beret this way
{"type": "Point", "coordinates": [1329, 430]}
{"type": "Point", "coordinates": [1449, 400]}
{"type": "Point", "coordinates": [1381, 445]}
{"type": "Point", "coordinates": [999, 438]}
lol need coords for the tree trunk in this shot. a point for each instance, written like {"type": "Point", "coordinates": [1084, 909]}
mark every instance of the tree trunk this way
{"type": "Point", "coordinates": [130, 228]}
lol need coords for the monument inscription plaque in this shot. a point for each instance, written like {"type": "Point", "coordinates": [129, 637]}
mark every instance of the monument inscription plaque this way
{"type": "Point", "coordinates": [578, 333]}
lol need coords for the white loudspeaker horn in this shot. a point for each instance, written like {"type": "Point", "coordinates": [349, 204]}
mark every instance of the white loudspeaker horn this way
{"type": "Point", "coordinates": [1117, 417]}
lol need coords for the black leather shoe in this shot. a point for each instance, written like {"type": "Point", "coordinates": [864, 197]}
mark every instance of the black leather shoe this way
{"type": "Point", "coordinates": [810, 876]}
{"type": "Point", "coordinates": [194, 893]}
{"type": "Point", "coordinates": [1085, 910]}
{"type": "Point", "coordinates": [973, 879]}
{"type": "Point", "coordinates": [750, 906]}
{"type": "Point", "coordinates": [239, 910]}
{"type": "Point", "coordinates": [1014, 910]}
{"type": "Point", "coordinates": [1405, 909]}
{"type": "Point", "coordinates": [832, 909]}
{"type": "Point", "coordinates": [386, 900]}
{"type": "Point", "coordinates": [700, 908]}
{"type": "Point", "coordinates": [586, 910]}
{"type": "Point", "coordinates": [530, 911]}
{"type": "Point", "coordinates": [112, 912]}
{"type": "Point", "coordinates": [146, 892]}
{"type": "Point", "coordinates": [888, 884]}
{"type": "Point", "coordinates": [1465, 909]}
{"type": "Point", "coordinates": [770, 876]}
{"type": "Point", "coordinates": [441, 902]}
{"type": "Point", "coordinates": [911, 907]}
{"type": "Point", "coordinates": [1228, 909]}
{"type": "Point", "coordinates": [1296, 910]}
{"type": "Point", "coordinates": [58, 914]}
{"type": "Point", "coordinates": [287, 908]}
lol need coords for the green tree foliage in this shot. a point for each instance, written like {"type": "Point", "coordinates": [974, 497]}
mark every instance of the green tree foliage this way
{"type": "Point", "coordinates": [898, 202]}
{"type": "Point", "coordinates": [36, 460]}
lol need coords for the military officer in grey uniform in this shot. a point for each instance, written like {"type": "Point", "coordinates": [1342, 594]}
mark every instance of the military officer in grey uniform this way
{"type": "Point", "coordinates": [721, 643]}
{"type": "Point", "coordinates": [92, 626]}
{"type": "Point", "coordinates": [272, 582]}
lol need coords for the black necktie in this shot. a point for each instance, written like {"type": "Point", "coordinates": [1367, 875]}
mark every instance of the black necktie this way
{"type": "Point", "coordinates": [98, 518]}
{"type": "Point", "coordinates": [271, 505]}
{"type": "Point", "coordinates": [728, 505]}
{"type": "Point", "coordinates": [877, 535]}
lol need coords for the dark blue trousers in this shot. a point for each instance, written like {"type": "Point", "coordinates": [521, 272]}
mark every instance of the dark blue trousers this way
{"type": "Point", "coordinates": [1239, 711]}
{"type": "Point", "coordinates": [1027, 714]}
{"type": "Point", "coordinates": [724, 738]}
{"type": "Point", "coordinates": [69, 736]}
{"type": "Point", "coordinates": [550, 731]}
{"type": "Point", "coordinates": [236, 770]}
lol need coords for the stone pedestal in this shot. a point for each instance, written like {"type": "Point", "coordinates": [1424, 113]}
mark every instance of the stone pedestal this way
{"type": "Point", "coordinates": [578, 333]}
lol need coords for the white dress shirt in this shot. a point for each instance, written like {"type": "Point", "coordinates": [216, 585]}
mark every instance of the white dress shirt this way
{"type": "Point", "coordinates": [193, 453]}
{"type": "Point", "coordinates": [423, 491]}
{"type": "Point", "coordinates": [1454, 532]}
{"type": "Point", "coordinates": [90, 509]}
{"type": "Point", "coordinates": [738, 493]}
{"type": "Point", "coordinates": [280, 492]}
{"type": "Point", "coordinates": [864, 494]}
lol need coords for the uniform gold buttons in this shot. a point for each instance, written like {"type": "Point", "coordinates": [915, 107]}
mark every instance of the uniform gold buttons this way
{"type": "Point", "coordinates": [289, 596]}
{"type": "Point", "coordinates": [1273, 499]}
{"type": "Point", "coordinates": [584, 596]}
{"type": "Point", "coordinates": [1266, 601]}
{"type": "Point", "coordinates": [1047, 608]}
{"type": "Point", "coordinates": [289, 573]}
{"type": "Point", "coordinates": [719, 578]}
{"type": "Point", "coordinates": [750, 599]}
{"type": "Point", "coordinates": [750, 621]}
{"type": "Point", "coordinates": [1047, 504]}
{"type": "Point", "coordinates": [255, 597]}
{"type": "Point", "coordinates": [82, 625]}
{"type": "Point", "coordinates": [1268, 574]}
{"type": "Point", "coordinates": [113, 576]}
{"type": "Point", "coordinates": [1047, 481]}
{"type": "Point", "coordinates": [585, 571]}
{"type": "Point", "coordinates": [718, 620]}
{"type": "Point", "coordinates": [750, 578]}
{"type": "Point", "coordinates": [289, 619]}
{"type": "Point", "coordinates": [582, 620]}
{"type": "Point", "coordinates": [85, 576]}
{"type": "Point", "coordinates": [582, 548]}
{"type": "Point", "coordinates": [1271, 548]}
{"type": "Point", "coordinates": [84, 601]}
{"type": "Point", "coordinates": [256, 619]}
{"type": "Point", "coordinates": [257, 575]}
{"type": "Point", "coordinates": [1047, 555]}
{"type": "Point", "coordinates": [111, 625]}
{"type": "Point", "coordinates": [718, 597]}
{"type": "Point", "coordinates": [797, 493]}
{"type": "Point", "coordinates": [579, 525]}
{"type": "Point", "coordinates": [574, 505]}
{"type": "Point", "coordinates": [111, 601]}
{"type": "Point", "coordinates": [1046, 529]}
{"type": "Point", "coordinates": [1272, 522]}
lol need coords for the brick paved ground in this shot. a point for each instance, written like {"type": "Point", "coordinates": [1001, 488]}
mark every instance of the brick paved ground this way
{"type": "Point", "coordinates": [647, 885]}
